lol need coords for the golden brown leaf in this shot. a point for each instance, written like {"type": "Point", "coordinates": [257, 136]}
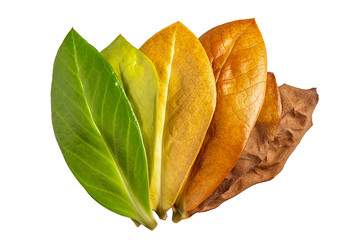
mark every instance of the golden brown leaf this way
{"type": "Point", "coordinates": [270, 115]}
{"type": "Point", "coordinates": [298, 106]}
{"type": "Point", "coordinates": [238, 56]}
{"type": "Point", "coordinates": [187, 99]}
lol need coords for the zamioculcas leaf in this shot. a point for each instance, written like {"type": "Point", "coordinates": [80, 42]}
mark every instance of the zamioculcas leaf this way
{"type": "Point", "coordinates": [187, 98]}
{"type": "Point", "coordinates": [97, 130]}
{"type": "Point", "coordinates": [270, 115]}
{"type": "Point", "coordinates": [298, 106]}
{"type": "Point", "coordinates": [237, 53]}
{"type": "Point", "coordinates": [141, 83]}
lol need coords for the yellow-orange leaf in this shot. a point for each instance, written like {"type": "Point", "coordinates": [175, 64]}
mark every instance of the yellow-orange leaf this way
{"type": "Point", "coordinates": [270, 115]}
{"type": "Point", "coordinates": [187, 99]}
{"type": "Point", "coordinates": [238, 56]}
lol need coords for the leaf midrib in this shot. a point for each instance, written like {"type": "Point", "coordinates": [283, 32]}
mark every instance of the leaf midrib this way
{"type": "Point", "coordinates": [162, 137]}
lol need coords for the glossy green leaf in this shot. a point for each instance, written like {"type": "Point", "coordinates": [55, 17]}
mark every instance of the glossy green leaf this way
{"type": "Point", "coordinates": [97, 130]}
{"type": "Point", "coordinates": [141, 83]}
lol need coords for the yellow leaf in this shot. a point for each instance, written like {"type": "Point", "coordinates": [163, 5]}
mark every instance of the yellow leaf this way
{"type": "Point", "coordinates": [237, 53]}
{"type": "Point", "coordinates": [187, 99]}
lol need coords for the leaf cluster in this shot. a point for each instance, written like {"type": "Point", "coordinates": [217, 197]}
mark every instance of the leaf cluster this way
{"type": "Point", "coordinates": [182, 122]}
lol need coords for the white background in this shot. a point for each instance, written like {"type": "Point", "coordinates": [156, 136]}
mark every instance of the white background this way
{"type": "Point", "coordinates": [309, 44]}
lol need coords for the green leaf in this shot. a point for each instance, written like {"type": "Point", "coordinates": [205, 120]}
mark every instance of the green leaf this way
{"type": "Point", "coordinates": [141, 83]}
{"type": "Point", "coordinates": [97, 131]}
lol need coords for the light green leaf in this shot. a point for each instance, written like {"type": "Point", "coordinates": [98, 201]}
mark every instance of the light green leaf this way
{"type": "Point", "coordinates": [141, 83]}
{"type": "Point", "coordinates": [97, 131]}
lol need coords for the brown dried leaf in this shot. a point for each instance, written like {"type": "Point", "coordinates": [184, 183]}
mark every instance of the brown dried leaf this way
{"type": "Point", "coordinates": [298, 106]}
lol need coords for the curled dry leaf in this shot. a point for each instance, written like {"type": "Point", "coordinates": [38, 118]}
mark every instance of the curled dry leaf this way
{"type": "Point", "coordinates": [238, 56]}
{"type": "Point", "coordinates": [187, 97]}
{"type": "Point", "coordinates": [298, 106]}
